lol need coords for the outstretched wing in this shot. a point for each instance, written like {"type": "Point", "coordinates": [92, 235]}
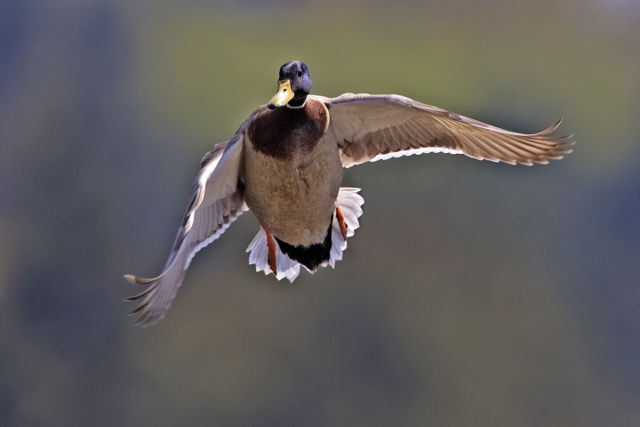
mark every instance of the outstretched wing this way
{"type": "Point", "coordinates": [217, 200]}
{"type": "Point", "coordinates": [368, 128]}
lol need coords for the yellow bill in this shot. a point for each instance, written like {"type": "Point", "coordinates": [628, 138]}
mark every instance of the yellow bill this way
{"type": "Point", "coordinates": [283, 96]}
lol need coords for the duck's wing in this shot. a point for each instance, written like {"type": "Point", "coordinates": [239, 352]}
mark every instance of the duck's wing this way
{"type": "Point", "coordinates": [368, 128]}
{"type": "Point", "coordinates": [217, 200]}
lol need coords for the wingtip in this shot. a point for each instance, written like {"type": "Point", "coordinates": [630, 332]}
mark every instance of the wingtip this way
{"type": "Point", "coordinates": [146, 319]}
{"type": "Point", "coordinates": [551, 128]}
{"type": "Point", "coordinates": [558, 123]}
{"type": "Point", "coordinates": [135, 280]}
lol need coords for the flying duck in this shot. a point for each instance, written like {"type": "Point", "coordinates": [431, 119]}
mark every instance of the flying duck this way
{"type": "Point", "coordinates": [285, 164]}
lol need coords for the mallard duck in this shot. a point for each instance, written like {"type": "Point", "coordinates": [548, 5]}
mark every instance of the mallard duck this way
{"type": "Point", "coordinates": [285, 164]}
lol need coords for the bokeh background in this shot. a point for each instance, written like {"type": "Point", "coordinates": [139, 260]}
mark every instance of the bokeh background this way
{"type": "Point", "coordinates": [473, 294]}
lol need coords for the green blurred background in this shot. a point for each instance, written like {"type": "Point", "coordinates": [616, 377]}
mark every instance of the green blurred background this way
{"type": "Point", "coordinates": [473, 293]}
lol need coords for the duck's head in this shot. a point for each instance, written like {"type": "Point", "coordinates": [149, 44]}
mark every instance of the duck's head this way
{"type": "Point", "coordinates": [294, 84]}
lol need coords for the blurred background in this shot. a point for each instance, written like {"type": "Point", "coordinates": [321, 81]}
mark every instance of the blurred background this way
{"type": "Point", "coordinates": [473, 293]}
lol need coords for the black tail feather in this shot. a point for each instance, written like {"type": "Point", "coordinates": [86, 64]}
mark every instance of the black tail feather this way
{"type": "Point", "coordinates": [309, 256]}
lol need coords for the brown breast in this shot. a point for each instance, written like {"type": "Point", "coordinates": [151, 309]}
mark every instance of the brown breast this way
{"type": "Point", "coordinates": [286, 133]}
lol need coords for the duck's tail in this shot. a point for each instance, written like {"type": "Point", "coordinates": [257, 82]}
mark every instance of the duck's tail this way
{"type": "Point", "coordinates": [289, 258]}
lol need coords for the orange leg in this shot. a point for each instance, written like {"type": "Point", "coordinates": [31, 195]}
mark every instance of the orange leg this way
{"type": "Point", "coordinates": [271, 245]}
{"type": "Point", "coordinates": [340, 218]}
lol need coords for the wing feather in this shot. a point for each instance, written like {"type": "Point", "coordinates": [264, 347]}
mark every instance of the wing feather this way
{"type": "Point", "coordinates": [376, 127]}
{"type": "Point", "coordinates": [216, 201]}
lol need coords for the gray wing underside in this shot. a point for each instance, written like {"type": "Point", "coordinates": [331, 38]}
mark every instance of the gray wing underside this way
{"type": "Point", "coordinates": [369, 128]}
{"type": "Point", "coordinates": [216, 201]}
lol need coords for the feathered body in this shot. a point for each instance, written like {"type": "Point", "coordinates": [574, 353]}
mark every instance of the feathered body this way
{"type": "Point", "coordinates": [301, 172]}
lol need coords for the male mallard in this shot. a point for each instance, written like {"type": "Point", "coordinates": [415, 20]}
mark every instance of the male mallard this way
{"type": "Point", "coordinates": [285, 164]}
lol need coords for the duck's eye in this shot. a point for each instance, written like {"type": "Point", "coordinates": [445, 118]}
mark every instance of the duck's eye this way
{"type": "Point", "coordinates": [299, 73]}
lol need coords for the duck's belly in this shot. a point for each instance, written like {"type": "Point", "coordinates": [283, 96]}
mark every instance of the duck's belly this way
{"type": "Point", "coordinates": [294, 199]}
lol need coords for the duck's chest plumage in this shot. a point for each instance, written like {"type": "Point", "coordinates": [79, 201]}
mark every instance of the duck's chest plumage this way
{"type": "Point", "coordinates": [292, 173]}
{"type": "Point", "coordinates": [289, 133]}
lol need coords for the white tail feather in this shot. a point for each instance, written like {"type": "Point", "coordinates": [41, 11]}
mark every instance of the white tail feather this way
{"type": "Point", "coordinates": [350, 203]}
{"type": "Point", "coordinates": [259, 256]}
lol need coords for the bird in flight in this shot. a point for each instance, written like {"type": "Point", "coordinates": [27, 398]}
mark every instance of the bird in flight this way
{"type": "Point", "coordinates": [285, 164]}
